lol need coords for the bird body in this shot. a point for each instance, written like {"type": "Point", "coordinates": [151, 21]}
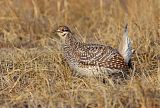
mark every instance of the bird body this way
{"type": "Point", "coordinates": [90, 59]}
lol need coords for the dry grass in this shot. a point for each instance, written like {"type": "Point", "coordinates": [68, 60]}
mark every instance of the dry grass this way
{"type": "Point", "coordinates": [34, 74]}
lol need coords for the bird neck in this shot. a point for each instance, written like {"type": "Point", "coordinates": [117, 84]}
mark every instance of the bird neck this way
{"type": "Point", "coordinates": [70, 39]}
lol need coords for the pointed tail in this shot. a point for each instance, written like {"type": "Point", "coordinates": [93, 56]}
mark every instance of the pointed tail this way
{"type": "Point", "coordinates": [125, 48]}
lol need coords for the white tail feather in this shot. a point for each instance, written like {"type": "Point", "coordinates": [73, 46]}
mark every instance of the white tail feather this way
{"type": "Point", "coordinates": [126, 49]}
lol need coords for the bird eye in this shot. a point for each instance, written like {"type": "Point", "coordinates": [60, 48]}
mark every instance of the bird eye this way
{"type": "Point", "coordinates": [64, 29]}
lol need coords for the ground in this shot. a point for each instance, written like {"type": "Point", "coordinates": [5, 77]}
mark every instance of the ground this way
{"type": "Point", "coordinates": [34, 74]}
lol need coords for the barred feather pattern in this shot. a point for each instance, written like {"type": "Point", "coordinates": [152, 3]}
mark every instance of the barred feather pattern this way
{"type": "Point", "coordinates": [89, 59]}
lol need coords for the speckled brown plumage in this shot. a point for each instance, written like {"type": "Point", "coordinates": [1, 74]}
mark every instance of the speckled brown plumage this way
{"type": "Point", "coordinates": [89, 59]}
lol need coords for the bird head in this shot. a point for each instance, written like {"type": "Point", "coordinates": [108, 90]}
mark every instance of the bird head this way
{"type": "Point", "coordinates": [63, 31]}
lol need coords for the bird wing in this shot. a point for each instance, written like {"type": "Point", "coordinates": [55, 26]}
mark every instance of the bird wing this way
{"type": "Point", "coordinates": [99, 55]}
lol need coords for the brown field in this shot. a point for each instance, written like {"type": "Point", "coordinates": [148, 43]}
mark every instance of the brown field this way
{"type": "Point", "coordinates": [33, 73]}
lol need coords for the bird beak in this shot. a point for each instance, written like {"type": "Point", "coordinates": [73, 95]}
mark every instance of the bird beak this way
{"type": "Point", "coordinates": [58, 30]}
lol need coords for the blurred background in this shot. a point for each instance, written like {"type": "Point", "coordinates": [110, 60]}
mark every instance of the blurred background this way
{"type": "Point", "coordinates": [33, 73]}
{"type": "Point", "coordinates": [28, 23]}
